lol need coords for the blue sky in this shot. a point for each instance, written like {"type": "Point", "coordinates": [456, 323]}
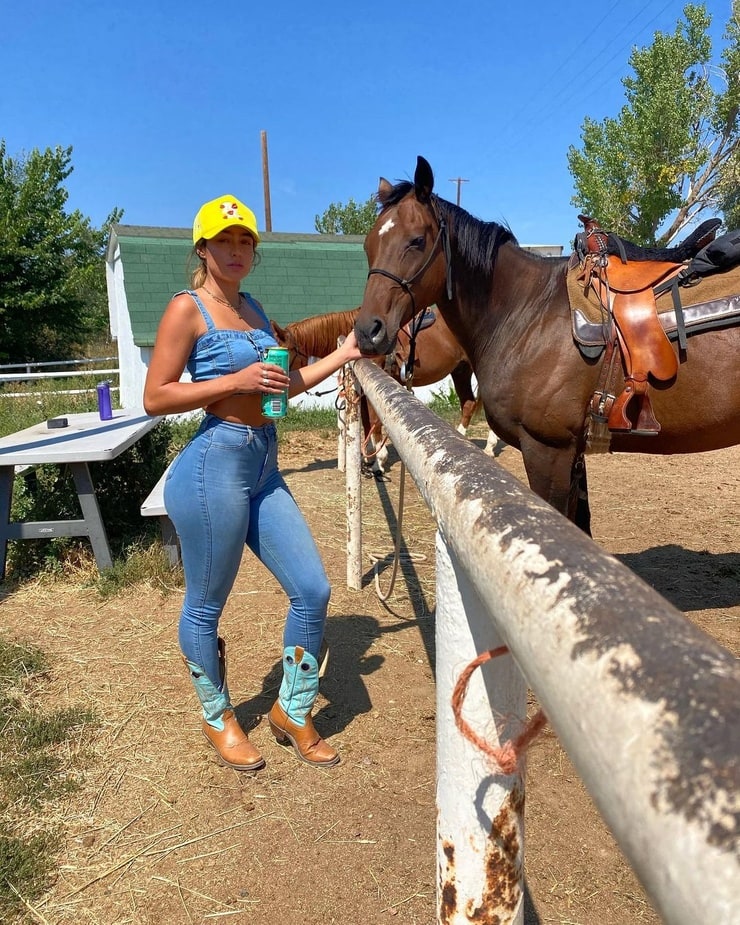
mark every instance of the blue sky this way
{"type": "Point", "coordinates": [164, 102]}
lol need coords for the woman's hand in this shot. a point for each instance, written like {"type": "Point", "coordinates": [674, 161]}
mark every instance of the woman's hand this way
{"type": "Point", "coordinates": [349, 349]}
{"type": "Point", "coordinates": [266, 378]}
{"type": "Point", "coordinates": [308, 376]}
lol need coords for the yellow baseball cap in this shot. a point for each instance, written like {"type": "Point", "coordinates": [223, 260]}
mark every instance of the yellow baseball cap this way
{"type": "Point", "coordinates": [221, 213]}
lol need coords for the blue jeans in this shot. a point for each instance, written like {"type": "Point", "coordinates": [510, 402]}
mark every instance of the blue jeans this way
{"type": "Point", "coordinates": [225, 490]}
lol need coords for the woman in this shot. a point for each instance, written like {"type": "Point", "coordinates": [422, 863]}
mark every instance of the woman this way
{"type": "Point", "coordinates": [224, 489]}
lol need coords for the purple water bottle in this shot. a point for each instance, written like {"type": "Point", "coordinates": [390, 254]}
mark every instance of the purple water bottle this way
{"type": "Point", "coordinates": [104, 408]}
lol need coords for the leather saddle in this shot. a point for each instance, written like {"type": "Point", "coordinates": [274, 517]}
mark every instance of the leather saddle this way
{"type": "Point", "coordinates": [625, 289]}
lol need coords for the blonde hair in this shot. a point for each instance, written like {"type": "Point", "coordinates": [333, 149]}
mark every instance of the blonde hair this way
{"type": "Point", "coordinates": [199, 274]}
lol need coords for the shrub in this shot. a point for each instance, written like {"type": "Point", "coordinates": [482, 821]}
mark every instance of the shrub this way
{"type": "Point", "coordinates": [48, 493]}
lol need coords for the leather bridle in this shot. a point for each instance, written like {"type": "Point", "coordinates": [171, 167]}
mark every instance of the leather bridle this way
{"type": "Point", "coordinates": [297, 354]}
{"type": "Point", "coordinates": [443, 239]}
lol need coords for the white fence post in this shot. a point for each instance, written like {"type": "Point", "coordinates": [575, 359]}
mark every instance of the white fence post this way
{"type": "Point", "coordinates": [353, 479]}
{"type": "Point", "coordinates": [480, 813]}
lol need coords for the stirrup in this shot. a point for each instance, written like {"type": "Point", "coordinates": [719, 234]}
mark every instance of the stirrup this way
{"type": "Point", "coordinates": [647, 425]}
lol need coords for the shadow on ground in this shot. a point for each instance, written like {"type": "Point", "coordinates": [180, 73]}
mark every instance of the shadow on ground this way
{"type": "Point", "coordinates": [688, 579]}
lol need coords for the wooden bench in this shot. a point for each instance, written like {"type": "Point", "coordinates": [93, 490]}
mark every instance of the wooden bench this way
{"type": "Point", "coordinates": [153, 506]}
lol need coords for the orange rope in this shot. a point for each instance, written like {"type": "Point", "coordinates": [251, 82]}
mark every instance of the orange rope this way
{"type": "Point", "coordinates": [507, 757]}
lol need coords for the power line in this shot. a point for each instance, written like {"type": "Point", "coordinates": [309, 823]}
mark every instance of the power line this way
{"type": "Point", "coordinates": [547, 109]}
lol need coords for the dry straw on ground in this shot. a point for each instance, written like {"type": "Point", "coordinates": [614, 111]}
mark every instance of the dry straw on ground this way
{"type": "Point", "coordinates": [160, 834]}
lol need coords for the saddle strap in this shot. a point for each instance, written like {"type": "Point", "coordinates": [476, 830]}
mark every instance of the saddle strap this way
{"type": "Point", "coordinates": [635, 392]}
{"type": "Point", "coordinates": [602, 400]}
{"type": "Point", "coordinates": [647, 350]}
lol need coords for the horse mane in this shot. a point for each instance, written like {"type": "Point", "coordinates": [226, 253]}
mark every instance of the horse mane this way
{"type": "Point", "coordinates": [477, 242]}
{"type": "Point", "coordinates": [317, 336]}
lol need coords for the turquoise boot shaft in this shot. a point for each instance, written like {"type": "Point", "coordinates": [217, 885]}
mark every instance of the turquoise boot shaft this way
{"type": "Point", "coordinates": [220, 726]}
{"type": "Point", "coordinates": [215, 701]}
{"type": "Point", "coordinates": [300, 685]}
{"type": "Point", "coordinates": [290, 716]}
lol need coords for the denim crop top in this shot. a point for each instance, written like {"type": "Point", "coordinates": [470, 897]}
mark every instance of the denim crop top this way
{"type": "Point", "coordinates": [219, 352]}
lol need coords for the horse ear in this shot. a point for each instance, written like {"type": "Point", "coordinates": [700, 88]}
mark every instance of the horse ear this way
{"type": "Point", "coordinates": [277, 331]}
{"type": "Point", "coordinates": [423, 180]}
{"type": "Point", "coordinates": [384, 190]}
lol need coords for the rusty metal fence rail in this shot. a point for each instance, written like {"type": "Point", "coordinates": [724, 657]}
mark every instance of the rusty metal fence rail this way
{"type": "Point", "coordinates": [646, 705]}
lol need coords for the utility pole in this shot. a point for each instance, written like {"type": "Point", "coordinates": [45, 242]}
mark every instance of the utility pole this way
{"type": "Point", "coordinates": [266, 183]}
{"type": "Point", "coordinates": [459, 181]}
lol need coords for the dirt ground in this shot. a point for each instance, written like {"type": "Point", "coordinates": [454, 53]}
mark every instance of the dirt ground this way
{"type": "Point", "coordinates": [161, 834]}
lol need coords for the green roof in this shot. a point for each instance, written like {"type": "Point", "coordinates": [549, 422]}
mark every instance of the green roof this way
{"type": "Point", "coordinates": [299, 274]}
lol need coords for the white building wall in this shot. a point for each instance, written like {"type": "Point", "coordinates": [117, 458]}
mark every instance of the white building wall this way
{"type": "Point", "coordinates": [132, 360]}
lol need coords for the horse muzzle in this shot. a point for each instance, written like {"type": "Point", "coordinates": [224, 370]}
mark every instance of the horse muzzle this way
{"type": "Point", "coordinates": [373, 337]}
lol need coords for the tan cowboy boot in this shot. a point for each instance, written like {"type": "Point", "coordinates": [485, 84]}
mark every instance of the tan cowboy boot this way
{"type": "Point", "coordinates": [290, 716]}
{"type": "Point", "coordinates": [220, 726]}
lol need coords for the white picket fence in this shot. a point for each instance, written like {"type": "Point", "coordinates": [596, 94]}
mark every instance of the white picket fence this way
{"type": "Point", "coordinates": [38, 372]}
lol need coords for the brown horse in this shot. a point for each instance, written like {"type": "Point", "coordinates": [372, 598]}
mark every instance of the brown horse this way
{"type": "Point", "coordinates": [437, 354]}
{"type": "Point", "coordinates": [510, 311]}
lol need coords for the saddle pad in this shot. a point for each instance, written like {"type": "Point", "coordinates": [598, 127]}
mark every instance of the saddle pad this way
{"type": "Point", "coordinates": [707, 289]}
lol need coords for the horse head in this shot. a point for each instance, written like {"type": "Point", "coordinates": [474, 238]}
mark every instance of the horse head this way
{"type": "Point", "coordinates": [408, 254]}
{"type": "Point", "coordinates": [285, 337]}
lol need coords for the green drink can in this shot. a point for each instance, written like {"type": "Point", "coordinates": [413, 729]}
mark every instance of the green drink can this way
{"type": "Point", "coordinates": [276, 406]}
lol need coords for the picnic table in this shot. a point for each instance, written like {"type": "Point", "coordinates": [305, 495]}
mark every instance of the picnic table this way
{"type": "Point", "coordinates": [85, 439]}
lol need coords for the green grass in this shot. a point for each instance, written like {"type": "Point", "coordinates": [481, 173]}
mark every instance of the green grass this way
{"type": "Point", "coordinates": [26, 867]}
{"type": "Point", "coordinates": [142, 561]}
{"type": "Point", "coordinates": [37, 769]}
{"type": "Point", "coordinates": [17, 662]}
{"type": "Point", "coordinates": [446, 405]}
{"type": "Point", "coordinates": [48, 492]}
{"type": "Point", "coordinates": [307, 419]}
{"type": "Point", "coordinates": [48, 401]}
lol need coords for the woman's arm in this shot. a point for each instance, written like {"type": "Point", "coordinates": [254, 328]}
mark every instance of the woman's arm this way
{"type": "Point", "coordinates": [309, 376]}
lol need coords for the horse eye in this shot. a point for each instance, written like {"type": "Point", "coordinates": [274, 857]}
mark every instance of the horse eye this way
{"type": "Point", "coordinates": [418, 243]}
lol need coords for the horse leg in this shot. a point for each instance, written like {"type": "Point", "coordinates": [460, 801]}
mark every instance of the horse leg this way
{"type": "Point", "coordinates": [491, 443]}
{"type": "Point", "coordinates": [467, 412]}
{"type": "Point", "coordinates": [579, 489]}
{"type": "Point", "coordinates": [470, 403]}
{"type": "Point", "coordinates": [381, 454]}
{"type": "Point", "coordinates": [558, 475]}
{"type": "Point", "coordinates": [380, 444]}
{"type": "Point", "coordinates": [493, 439]}
{"type": "Point", "coordinates": [462, 379]}
{"type": "Point", "coordinates": [374, 450]}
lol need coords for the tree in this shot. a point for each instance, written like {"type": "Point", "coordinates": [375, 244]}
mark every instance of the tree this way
{"type": "Point", "coordinates": [52, 273]}
{"type": "Point", "coordinates": [729, 191]}
{"type": "Point", "coordinates": [673, 150]}
{"type": "Point", "coordinates": [353, 218]}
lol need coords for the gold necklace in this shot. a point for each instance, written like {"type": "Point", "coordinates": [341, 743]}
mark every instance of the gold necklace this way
{"type": "Point", "coordinates": [234, 308]}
